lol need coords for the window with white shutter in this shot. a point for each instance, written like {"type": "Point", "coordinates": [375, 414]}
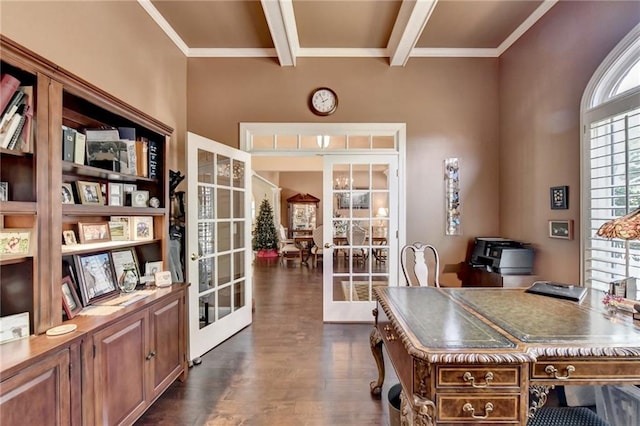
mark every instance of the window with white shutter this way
{"type": "Point", "coordinates": [611, 163]}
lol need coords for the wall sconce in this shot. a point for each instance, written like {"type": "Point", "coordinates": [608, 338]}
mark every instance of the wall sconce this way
{"type": "Point", "coordinates": [323, 141]}
{"type": "Point", "coordinates": [453, 225]}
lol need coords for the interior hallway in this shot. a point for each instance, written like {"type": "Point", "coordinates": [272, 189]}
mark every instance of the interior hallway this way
{"type": "Point", "coordinates": [287, 368]}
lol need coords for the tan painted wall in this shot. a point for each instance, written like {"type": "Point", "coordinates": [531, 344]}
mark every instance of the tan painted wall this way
{"type": "Point", "coordinates": [450, 107]}
{"type": "Point", "coordinates": [542, 79]}
{"type": "Point", "coordinates": [115, 46]}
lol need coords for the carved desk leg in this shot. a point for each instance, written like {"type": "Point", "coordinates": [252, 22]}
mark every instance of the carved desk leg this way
{"type": "Point", "coordinates": [375, 340]}
{"type": "Point", "coordinates": [420, 413]}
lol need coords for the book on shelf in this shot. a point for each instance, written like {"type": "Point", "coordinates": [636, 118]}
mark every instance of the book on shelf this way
{"type": "Point", "coordinates": [7, 132]}
{"type": "Point", "coordinates": [23, 112]}
{"type": "Point", "coordinates": [8, 86]}
{"type": "Point", "coordinates": [154, 154]}
{"type": "Point", "coordinates": [68, 143]}
{"type": "Point", "coordinates": [80, 147]}
{"type": "Point", "coordinates": [128, 133]}
{"type": "Point", "coordinates": [25, 141]}
{"type": "Point", "coordinates": [11, 109]}
{"type": "Point", "coordinates": [142, 157]}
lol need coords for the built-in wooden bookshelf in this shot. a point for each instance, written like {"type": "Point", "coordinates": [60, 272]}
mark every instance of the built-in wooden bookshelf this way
{"type": "Point", "coordinates": [31, 283]}
{"type": "Point", "coordinates": [78, 377]}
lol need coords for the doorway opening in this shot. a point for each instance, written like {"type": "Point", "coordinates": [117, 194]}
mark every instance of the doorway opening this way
{"type": "Point", "coordinates": [357, 171]}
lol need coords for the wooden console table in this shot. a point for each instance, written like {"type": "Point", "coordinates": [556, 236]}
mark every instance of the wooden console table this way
{"type": "Point", "coordinates": [476, 354]}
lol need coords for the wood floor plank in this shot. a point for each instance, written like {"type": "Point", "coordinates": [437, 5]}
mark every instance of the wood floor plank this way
{"type": "Point", "coordinates": [287, 368]}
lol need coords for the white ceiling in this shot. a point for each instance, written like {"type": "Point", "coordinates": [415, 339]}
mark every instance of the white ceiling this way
{"type": "Point", "coordinates": [395, 29]}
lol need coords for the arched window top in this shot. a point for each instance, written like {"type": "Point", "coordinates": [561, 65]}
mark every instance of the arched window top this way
{"type": "Point", "coordinates": [619, 74]}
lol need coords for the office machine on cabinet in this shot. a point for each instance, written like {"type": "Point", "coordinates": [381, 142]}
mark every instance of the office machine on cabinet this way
{"type": "Point", "coordinates": [506, 257]}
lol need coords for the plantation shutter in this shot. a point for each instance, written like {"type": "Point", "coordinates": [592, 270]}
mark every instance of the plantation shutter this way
{"type": "Point", "coordinates": [613, 182]}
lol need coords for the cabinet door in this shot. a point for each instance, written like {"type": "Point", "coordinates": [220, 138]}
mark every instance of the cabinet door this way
{"type": "Point", "coordinates": [167, 343]}
{"type": "Point", "coordinates": [119, 373]}
{"type": "Point", "coordinates": [38, 395]}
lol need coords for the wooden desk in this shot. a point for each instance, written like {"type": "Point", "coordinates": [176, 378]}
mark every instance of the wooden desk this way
{"type": "Point", "coordinates": [475, 355]}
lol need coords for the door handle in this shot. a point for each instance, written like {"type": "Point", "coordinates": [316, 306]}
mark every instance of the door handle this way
{"type": "Point", "coordinates": [328, 245]}
{"type": "Point", "coordinates": [195, 256]}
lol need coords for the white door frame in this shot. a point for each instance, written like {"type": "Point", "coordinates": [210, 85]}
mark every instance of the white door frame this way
{"type": "Point", "coordinates": [248, 131]}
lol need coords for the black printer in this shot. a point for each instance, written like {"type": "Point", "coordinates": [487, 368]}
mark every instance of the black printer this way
{"type": "Point", "coordinates": [506, 257]}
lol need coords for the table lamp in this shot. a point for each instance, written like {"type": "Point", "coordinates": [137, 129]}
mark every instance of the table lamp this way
{"type": "Point", "coordinates": [626, 227]}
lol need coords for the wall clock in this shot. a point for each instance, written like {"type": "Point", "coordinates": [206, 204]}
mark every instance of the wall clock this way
{"type": "Point", "coordinates": [323, 101]}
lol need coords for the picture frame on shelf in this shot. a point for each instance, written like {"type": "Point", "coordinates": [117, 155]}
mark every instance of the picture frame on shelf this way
{"type": "Point", "coordinates": [562, 229]}
{"type": "Point", "coordinates": [4, 191]}
{"type": "Point", "coordinates": [140, 199]}
{"type": "Point", "coordinates": [15, 241]}
{"type": "Point", "coordinates": [559, 196]}
{"type": "Point", "coordinates": [150, 268]}
{"type": "Point", "coordinates": [96, 276]}
{"type": "Point", "coordinates": [14, 327]}
{"type": "Point", "coordinates": [67, 194]}
{"type": "Point", "coordinates": [142, 228]}
{"type": "Point", "coordinates": [94, 232]}
{"type": "Point", "coordinates": [115, 194]}
{"type": "Point", "coordinates": [90, 193]}
{"type": "Point", "coordinates": [70, 301]}
{"type": "Point", "coordinates": [127, 190]}
{"type": "Point", "coordinates": [122, 259]}
{"type": "Point", "coordinates": [69, 237]}
{"type": "Point", "coordinates": [119, 230]}
{"type": "Point", "coordinates": [127, 234]}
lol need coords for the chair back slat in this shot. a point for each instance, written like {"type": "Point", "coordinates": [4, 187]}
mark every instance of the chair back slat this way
{"type": "Point", "coordinates": [420, 267]}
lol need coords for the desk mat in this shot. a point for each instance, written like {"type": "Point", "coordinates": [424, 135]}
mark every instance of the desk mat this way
{"type": "Point", "coordinates": [437, 322]}
{"type": "Point", "coordinates": [533, 318]}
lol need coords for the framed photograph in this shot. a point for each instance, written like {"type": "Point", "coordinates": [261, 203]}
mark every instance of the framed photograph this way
{"type": "Point", "coordinates": [94, 232]}
{"type": "Point", "coordinates": [360, 200]}
{"type": "Point", "coordinates": [150, 268]}
{"type": "Point", "coordinates": [14, 327]}
{"type": "Point", "coordinates": [70, 300]}
{"type": "Point", "coordinates": [115, 194]}
{"type": "Point", "coordinates": [4, 191]}
{"type": "Point", "coordinates": [140, 199]}
{"type": "Point", "coordinates": [67, 194]}
{"type": "Point", "coordinates": [142, 228]}
{"type": "Point", "coordinates": [126, 230]}
{"type": "Point", "coordinates": [561, 229]}
{"type": "Point", "coordinates": [125, 259]}
{"type": "Point", "coordinates": [559, 197]}
{"type": "Point", "coordinates": [119, 231]}
{"type": "Point", "coordinates": [90, 193]}
{"type": "Point", "coordinates": [15, 241]}
{"type": "Point", "coordinates": [69, 237]}
{"type": "Point", "coordinates": [96, 276]}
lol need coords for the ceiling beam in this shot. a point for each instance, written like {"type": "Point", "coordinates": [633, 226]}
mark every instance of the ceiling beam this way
{"type": "Point", "coordinates": [412, 18]}
{"type": "Point", "coordinates": [284, 32]}
{"type": "Point", "coordinates": [524, 27]}
{"type": "Point", "coordinates": [164, 25]}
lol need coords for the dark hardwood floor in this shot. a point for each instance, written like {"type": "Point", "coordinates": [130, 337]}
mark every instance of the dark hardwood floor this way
{"type": "Point", "coordinates": [287, 368]}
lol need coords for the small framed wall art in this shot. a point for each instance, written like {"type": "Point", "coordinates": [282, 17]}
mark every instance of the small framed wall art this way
{"type": "Point", "coordinates": [561, 229]}
{"type": "Point", "coordinates": [559, 197]}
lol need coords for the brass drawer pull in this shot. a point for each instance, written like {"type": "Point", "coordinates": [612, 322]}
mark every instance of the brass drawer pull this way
{"type": "Point", "coordinates": [468, 408]}
{"type": "Point", "coordinates": [468, 377]}
{"type": "Point", "coordinates": [551, 370]}
{"type": "Point", "coordinates": [151, 355]}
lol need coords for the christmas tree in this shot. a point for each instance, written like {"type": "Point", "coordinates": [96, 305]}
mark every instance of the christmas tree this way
{"type": "Point", "coordinates": [265, 236]}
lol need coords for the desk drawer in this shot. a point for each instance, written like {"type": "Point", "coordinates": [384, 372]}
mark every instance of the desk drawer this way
{"type": "Point", "coordinates": [485, 377]}
{"type": "Point", "coordinates": [568, 370]}
{"type": "Point", "coordinates": [474, 408]}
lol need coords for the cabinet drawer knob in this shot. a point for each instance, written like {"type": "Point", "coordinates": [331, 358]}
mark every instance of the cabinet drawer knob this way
{"type": "Point", "coordinates": [468, 408]}
{"type": "Point", "coordinates": [551, 370]}
{"type": "Point", "coordinates": [468, 377]}
{"type": "Point", "coordinates": [151, 355]}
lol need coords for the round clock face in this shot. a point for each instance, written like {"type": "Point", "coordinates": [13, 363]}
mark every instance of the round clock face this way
{"type": "Point", "coordinates": [324, 101]}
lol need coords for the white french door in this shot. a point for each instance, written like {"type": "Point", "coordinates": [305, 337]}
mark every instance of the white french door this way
{"type": "Point", "coordinates": [218, 247]}
{"type": "Point", "coordinates": [360, 233]}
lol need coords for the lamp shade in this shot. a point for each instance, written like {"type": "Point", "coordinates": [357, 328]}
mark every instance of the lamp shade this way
{"type": "Point", "coordinates": [382, 212]}
{"type": "Point", "coordinates": [626, 227]}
